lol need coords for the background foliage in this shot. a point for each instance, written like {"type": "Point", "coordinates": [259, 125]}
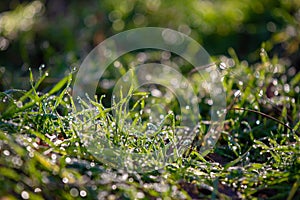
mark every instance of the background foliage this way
{"type": "Point", "coordinates": [60, 33]}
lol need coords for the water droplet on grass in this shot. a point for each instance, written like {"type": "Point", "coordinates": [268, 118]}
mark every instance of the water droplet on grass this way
{"type": "Point", "coordinates": [83, 193]}
{"type": "Point", "coordinates": [19, 104]}
{"type": "Point", "coordinates": [140, 195]}
{"type": "Point", "coordinates": [257, 74]}
{"type": "Point", "coordinates": [124, 177]}
{"type": "Point", "coordinates": [113, 187]}
{"type": "Point", "coordinates": [286, 88]}
{"type": "Point", "coordinates": [53, 156]}
{"type": "Point", "coordinates": [17, 161]}
{"type": "Point", "coordinates": [156, 93]}
{"type": "Point", "coordinates": [151, 126]}
{"type": "Point", "coordinates": [65, 180]}
{"type": "Point", "coordinates": [74, 192]}
{"type": "Point", "coordinates": [210, 102]}
{"type": "Point", "coordinates": [6, 152]}
{"type": "Point", "coordinates": [68, 160]}
{"type": "Point", "coordinates": [31, 154]}
{"type": "Point", "coordinates": [260, 93]}
{"type": "Point", "coordinates": [222, 66]}
{"type": "Point", "coordinates": [237, 93]}
{"type": "Point", "coordinates": [25, 195]}
{"type": "Point", "coordinates": [36, 190]}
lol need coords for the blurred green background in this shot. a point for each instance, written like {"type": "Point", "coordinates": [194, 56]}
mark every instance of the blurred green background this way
{"type": "Point", "coordinates": [59, 34]}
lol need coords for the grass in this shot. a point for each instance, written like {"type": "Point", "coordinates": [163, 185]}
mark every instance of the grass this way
{"type": "Point", "coordinates": [43, 156]}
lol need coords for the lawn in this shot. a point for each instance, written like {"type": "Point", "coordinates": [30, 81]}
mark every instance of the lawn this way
{"type": "Point", "coordinates": [113, 144]}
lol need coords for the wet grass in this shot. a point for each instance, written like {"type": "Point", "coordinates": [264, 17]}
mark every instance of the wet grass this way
{"type": "Point", "coordinates": [42, 155]}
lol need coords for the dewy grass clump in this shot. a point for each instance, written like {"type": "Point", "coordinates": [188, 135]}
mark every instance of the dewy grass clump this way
{"type": "Point", "coordinates": [43, 156]}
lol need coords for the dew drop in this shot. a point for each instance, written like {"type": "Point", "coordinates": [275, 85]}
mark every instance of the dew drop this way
{"type": "Point", "coordinates": [141, 112]}
{"type": "Point", "coordinates": [74, 192]}
{"type": "Point", "coordinates": [257, 74]}
{"type": "Point", "coordinates": [17, 161]}
{"type": "Point", "coordinates": [210, 102]}
{"type": "Point", "coordinates": [156, 93]}
{"type": "Point", "coordinates": [36, 190]}
{"type": "Point", "coordinates": [41, 67]}
{"type": "Point", "coordinates": [65, 180]}
{"type": "Point", "coordinates": [222, 66]}
{"type": "Point", "coordinates": [297, 89]}
{"type": "Point", "coordinates": [83, 193]}
{"type": "Point", "coordinates": [53, 156]}
{"type": "Point", "coordinates": [237, 93]}
{"type": "Point", "coordinates": [25, 195]}
{"type": "Point", "coordinates": [140, 195]}
{"type": "Point", "coordinates": [286, 88]}
{"type": "Point", "coordinates": [19, 104]}
{"type": "Point", "coordinates": [68, 160]}
{"type": "Point", "coordinates": [6, 152]}
{"type": "Point", "coordinates": [260, 93]}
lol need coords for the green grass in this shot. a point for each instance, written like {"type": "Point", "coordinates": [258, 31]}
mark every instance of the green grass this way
{"type": "Point", "coordinates": [256, 157]}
